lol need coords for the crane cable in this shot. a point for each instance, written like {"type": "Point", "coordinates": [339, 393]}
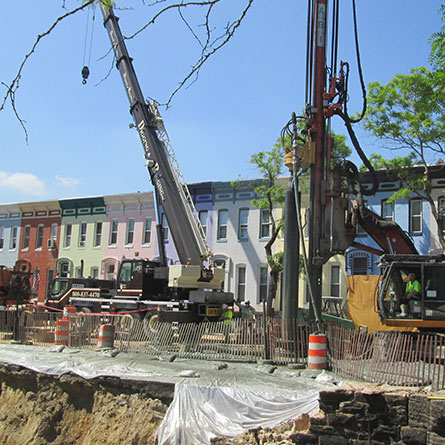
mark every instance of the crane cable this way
{"type": "Point", "coordinates": [85, 70]}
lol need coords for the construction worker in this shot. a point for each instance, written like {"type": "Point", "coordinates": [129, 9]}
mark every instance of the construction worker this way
{"type": "Point", "coordinates": [226, 316]}
{"type": "Point", "coordinates": [247, 311]}
{"type": "Point", "coordinates": [412, 292]}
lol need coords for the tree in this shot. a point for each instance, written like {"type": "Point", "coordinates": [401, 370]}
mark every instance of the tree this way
{"type": "Point", "coordinates": [408, 115]}
{"type": "Point", "coordinates": [437, 40]}
{"type": "Point", "coordinates": [270, 165]}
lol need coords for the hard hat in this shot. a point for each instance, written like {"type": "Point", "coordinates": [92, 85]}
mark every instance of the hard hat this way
{"type": "Point", "coordinates": [224, 306]}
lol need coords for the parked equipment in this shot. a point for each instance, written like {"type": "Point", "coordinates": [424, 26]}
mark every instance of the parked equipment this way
{"type": "Point", "coordinates": [15, 288]}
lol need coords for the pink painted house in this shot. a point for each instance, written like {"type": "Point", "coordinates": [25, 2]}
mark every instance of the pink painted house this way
{"type": "Point", "coordinates": [129, 230]}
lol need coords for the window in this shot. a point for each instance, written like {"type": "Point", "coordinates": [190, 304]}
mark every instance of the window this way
{"type": "Point", "coordinates": [39, 239]}
{"type": "Point", "coordinates": [2, 239]}
{"type": "Point", "coordinates": [13, 239]}
{"type": "Point", "coordinates": [49, 279]}
{"type": "Point", "coordinates": [64, 269]}
{"type": "Point", "coordinates": [263, 283]}
{"type": "Point", "coordinates": [113, 232]}
{"type": "Point", "coordinates": [82, 234]}
{"type": "Point", "coordinates": [164, 227]}
{"type": "Point", "coordinates": [441, 208]}
{"type": "Point", "coordinates": [388, 211]}
{"type": "Point", "coordinates": [242, 224]}
{"type": "Point", "coordinates": [68, 231]}
{"type": "Point", "coordinates": [222, 224]}
{"type": "Point", "coordinates": [415, 216]}
{"type": "Point", "coordinates": [130, 232]}
{"type": "Point", "coordinates": [110, 272]}
{"type": "Point", "coordinates": [54, 232]}
{"type": "Point", "coordinates": [26, 233]}
{"type": "Point", "coordinates": [98, 234]}
{"type": "Point", "coordinates": [335, 280]}
{"type": "Point", "coordinates": [360, 265]}
{"type": "Point", "coordinates": [78, 272]}
{"type": "Point", "coordinates": [203, 216]}
{"type": "Point", "coordinates": [94, 272]}
{"type": "Point", "coordinates": [265, 223]}
{"type": "Point", "coordinates": [241, 283]}
{"type": "Point", "coordinates": [146, 235]}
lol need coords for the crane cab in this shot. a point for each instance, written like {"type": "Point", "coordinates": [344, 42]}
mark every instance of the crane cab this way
{"type": "Point", "coordinates": [427, 311]}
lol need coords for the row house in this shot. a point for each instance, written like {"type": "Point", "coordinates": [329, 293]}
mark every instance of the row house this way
{"type": "Point", "coordinates": [10, 217]}
{"type": "Point", "coordinates": [236, 232]}
{"type": "Point", "coordinates": [39, 242]}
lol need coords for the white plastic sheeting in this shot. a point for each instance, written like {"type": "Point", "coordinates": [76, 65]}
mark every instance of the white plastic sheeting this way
{"type": "Point", "coordinates": [199, 413]}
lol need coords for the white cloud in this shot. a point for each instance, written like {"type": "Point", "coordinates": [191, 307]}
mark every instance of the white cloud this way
{"type": "Point", "coordinates": [23, 182]}
{"type": "Point", "coordinates": [66, 182]}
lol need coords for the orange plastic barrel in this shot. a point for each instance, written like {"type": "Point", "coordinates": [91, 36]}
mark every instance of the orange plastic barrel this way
{"type": "Point", "coordinates": [317, 354]}
{"type": "Point", "coordinates": [62, 332]}
{"type": "Point", "coordinates": [105, 338]}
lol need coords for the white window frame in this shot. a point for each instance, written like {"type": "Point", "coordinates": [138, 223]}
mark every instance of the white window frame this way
{"type": "Point", "coordinates": [83, 234]}
{"type": "Point", "coordinates": [129, 234]}
{"type": "Point", "coordinates": [413, 217]}
{"type": "Point", "coordinates": [243, 224]}
{"type": "Point", "coordinates": [114, 228]}
{"type": "Point", "coordinates": [39, 236]}
{"type": "Point", "coordinates": [203, 219]}
{"type": "Point", "coordinates": [263, 272]}
{"type": "Point", "coordinates": [53, 234]}
{"type": "Point", "coordinates": [78, 272]}
{"type": "Point", "coordinates": [265, 223]}
{"type": "Point", "coordinates": [98, 228]}
{"type": "Point", "coordinates": [94, 272]}
{"type": "Point", "coordinates": [13, 237]}
{"type": "Point", "coordinates": [222, 225]}
{"type": "Point", "coordinates": [146, 233]}
{"type": "Point", "coordinates": [333, 283]}
{"type": "Point", "coordinates": [241, 280]}
{"type": "Point", "coordinates": [68, 235]}
{"type": "Point", "coordinates": [385, 206]}
{"type": "Point", "coordinates": [110, 272]}
{"type": "Point", "coordinates": [26, 237]}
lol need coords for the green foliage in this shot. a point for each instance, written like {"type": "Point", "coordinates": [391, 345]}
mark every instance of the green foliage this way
{"type": "Point", "coordinates": [269, 163]}
{"type": "Point", "coordinates": [340, 151]}
{"type": "Point", "coordinates": [275, 262]}
{"type": "Point", "coordinates": [408, 112]}
{"type": "Point", "coordinates": [437, 41]}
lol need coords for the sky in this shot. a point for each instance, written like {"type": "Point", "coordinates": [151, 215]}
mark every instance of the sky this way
{"type": "Point", "coordinates": [80, 143]}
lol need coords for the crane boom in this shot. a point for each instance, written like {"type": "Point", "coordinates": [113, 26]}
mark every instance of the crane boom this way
{"type": "Point", "coordinates": [171, 190]}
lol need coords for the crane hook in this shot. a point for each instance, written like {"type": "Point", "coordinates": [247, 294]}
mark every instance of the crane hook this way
{"type": "Point", "coordinates": [85, 74]}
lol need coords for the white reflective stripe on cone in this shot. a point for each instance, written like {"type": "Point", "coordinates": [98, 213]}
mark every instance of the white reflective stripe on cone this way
{"type": "Point", "coordinates": [106, 336]}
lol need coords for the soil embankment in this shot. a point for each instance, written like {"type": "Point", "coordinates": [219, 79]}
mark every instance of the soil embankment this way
{"type": "Point", "coordinates": [37, 409]}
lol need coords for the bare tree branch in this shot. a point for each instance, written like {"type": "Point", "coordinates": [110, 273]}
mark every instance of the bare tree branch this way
{"type": "Point", "coordinates": [14, 85]}
{"type": "Point", "coordinates": [205, 56]}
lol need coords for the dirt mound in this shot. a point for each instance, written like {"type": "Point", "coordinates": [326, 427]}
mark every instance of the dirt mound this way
{"type": "Point", "coordinates": [37, 409]}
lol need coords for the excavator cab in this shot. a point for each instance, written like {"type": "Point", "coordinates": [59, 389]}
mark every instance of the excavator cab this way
{"type": "Point", "coordinates": [425, 311]}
